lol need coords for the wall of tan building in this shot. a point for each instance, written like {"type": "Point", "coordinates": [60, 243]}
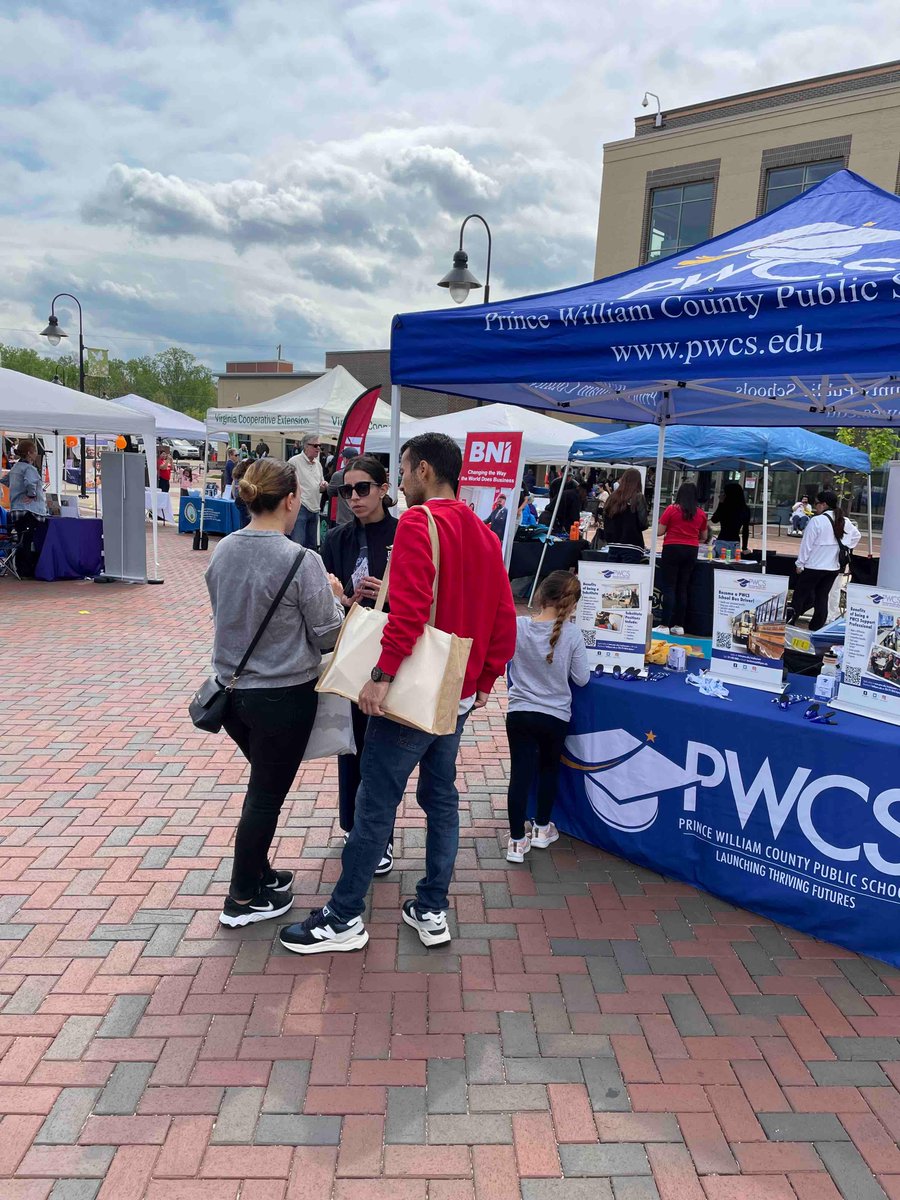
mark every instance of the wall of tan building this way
{"type": "Point", "coordinates": [238, 391]}
{"type": "Point", "coordinates": [870, 117]}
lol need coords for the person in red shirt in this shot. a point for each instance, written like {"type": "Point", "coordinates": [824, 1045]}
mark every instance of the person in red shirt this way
{"type": "Point", "coordinates": [685, 527]}
{"type": "Point", "coordinates": [164, 465]}
{"type": "Point", "coordinates": [474, 601]}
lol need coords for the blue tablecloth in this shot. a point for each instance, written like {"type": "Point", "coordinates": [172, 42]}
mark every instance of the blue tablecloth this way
{"type": "Point", "coordinates": [221, 516]}
{"type": "Point", "coordinates": [798, 822]}
{"type": "Point", "coordinates": [69, 549]}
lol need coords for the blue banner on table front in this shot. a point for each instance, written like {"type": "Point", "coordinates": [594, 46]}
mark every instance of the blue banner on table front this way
{"type": "Point", "coordinates": [798, 822]}
{"type": "Point", "coordinates": [221, 516]}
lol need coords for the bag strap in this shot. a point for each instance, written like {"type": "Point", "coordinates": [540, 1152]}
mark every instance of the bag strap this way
{"type": "Point", "coordinates": [295, 567]}
{"type": "Point", "coordinates": [435, 558]}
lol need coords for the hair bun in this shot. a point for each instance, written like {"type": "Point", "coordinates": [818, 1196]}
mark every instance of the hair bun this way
{"type": "Point", "coordinates": [248, 489]}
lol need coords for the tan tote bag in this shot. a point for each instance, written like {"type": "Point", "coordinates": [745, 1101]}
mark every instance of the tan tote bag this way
{"type": "Point", "coordinates": [428, 686]}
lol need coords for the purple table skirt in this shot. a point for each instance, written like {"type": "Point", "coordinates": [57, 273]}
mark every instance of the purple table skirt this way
{"type": "Point", "coordinates": [70, 549]}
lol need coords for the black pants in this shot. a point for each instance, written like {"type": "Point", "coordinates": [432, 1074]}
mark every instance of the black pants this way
{"type": "Point", "coordinates": [535, 744]}
{"type": "Point", "coordinates": [271, 727]}
{"type": "Point", "coordinates": [26, 526]}
{"type": "Point", "coordinates": [349, 773]}
{"type": "Point", "coordinates": [811, 591]}
{"type": "Point", "coordinates": [676, 566]}
{"type": "Point", "coordinates": [162, 485]}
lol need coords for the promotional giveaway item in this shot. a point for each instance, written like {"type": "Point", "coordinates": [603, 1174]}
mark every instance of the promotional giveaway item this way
{"type": "Point", "coordinates": [490, 482]}
{"type": "Point", "coordinates": [748, 629]}
{"type": "Point", "coordinates": [426, 691]}
{"type": "Point", "coordinates": [613, 612]}
{"type": "Point", "coordinates": [870, 676]}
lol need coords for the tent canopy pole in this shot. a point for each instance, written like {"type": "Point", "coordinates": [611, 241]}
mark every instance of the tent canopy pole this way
{"type": "Point", "coordinates": [537, 575]}
{"type": "Point", "coordinates": [395, 439]}
{"type": "Point", "coordinates": [765, 533]}
{"type": "Point", "coordinates": [869, 512]}
{"type": "Point", "coordinates": [657, 499]}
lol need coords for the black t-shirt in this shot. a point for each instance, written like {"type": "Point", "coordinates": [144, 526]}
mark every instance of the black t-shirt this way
{"type": "Point", "coordinates": [353, 551]}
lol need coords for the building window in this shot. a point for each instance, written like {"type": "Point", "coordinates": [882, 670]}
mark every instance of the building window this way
{"type": "Point", "coordinates": [679, 217]}
{"type": "Point", "coordinates": [785, 183]}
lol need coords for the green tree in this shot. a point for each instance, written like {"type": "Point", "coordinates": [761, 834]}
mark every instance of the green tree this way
{"type": "Point", "coordinates": [173, 377]}
{"type": "Point", "coordinates": [881, 445]}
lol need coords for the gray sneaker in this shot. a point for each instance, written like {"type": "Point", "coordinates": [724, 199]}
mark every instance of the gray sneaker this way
{"type": "Point", "coordinates": [431, 926]}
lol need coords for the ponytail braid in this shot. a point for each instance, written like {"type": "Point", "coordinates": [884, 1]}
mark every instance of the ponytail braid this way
{"type": "Point", "coordinates": [561, 591]}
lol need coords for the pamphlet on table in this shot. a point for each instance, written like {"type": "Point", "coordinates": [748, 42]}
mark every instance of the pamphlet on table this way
{"type": "Point", "coordinates": [613, 612]}
{"type": "Point", "coordinates": [748, 629]}
{"type": "Point", "coordinates": [870, 675]}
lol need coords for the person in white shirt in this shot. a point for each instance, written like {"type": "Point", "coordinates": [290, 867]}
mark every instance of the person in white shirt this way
{"type": "Point", "coordinates": [818, 560]}
{"type": "Point", "coordinates": [312, 485]}
{"type": "Point", "coordinates": [800, 517]}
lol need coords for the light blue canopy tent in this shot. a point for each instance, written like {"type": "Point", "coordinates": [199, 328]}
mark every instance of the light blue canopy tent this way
{"type": "Point", "coordinates": [791, 319]}
{"type": "Point", "coordinates": [729, 448]}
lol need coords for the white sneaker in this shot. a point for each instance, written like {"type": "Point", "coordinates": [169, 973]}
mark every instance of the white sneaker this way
{"type": "Point", "coordinates": [516, 850]}
{"type": "Point", "coordinates": [677, 630]}
{"type": "Point", "coordinates": [543, 836]}
{"type": "Point", "coordinates": [431, 927]}
{"type": "Point", "coordinates": [661, 629]}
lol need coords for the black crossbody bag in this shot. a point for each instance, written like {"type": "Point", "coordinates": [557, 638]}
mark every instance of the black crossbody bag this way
{"type": "Point", "coordinates": [209, 704]}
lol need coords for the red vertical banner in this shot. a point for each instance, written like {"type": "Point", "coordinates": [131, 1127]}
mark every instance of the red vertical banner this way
{"type": "Point", "coordinates": [354, 431]}
{"type": "Point", "coordinates": [491, 480]}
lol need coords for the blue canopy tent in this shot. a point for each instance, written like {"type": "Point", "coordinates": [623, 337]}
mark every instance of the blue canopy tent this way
{"type": "Point", "coordinates": [793, 318]}
{"type": "Point", "coordinates": [729, 448]}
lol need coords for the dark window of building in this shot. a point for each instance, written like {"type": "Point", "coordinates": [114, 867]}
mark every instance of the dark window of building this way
{"type": "Point", "coordinates": [679, 217]}
{"type": "Point", "coordinates": [785, 183]}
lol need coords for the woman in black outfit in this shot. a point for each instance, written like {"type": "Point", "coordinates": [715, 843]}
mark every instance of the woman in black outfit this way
{"type": "Point", "coordinates": [733, 518]}
{"type": "Point", "coordinates": [357, 553]}
{"type": "Point", "coordinates": [625, 514]}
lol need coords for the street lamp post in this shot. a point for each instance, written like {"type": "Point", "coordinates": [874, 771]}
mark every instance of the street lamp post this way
{"type": "Point", "coordinates": [54, 335]}
{"type": "Point", "coordinates": [460, 279]}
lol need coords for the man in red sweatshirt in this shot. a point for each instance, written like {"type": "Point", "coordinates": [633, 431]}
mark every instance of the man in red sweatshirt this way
{"type": "Point", "coordinates": [474, 601]}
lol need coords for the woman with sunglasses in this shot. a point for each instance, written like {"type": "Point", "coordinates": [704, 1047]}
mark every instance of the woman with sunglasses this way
{"type": "Point", "coordinates": [357, 553]}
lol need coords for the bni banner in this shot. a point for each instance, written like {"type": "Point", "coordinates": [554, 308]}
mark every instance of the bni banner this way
{"type": "Point", "coordinates": [613, 611]}
{"type": "Point", "coordinates": [490, 481]}
{"type": "Point", "coordinates": [748, 629]}
{"type": "Point", "coordinates": [870, 670]}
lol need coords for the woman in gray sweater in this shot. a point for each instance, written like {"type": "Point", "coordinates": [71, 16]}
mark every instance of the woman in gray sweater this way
{"type": "Point", "coordinates": [273, 704]}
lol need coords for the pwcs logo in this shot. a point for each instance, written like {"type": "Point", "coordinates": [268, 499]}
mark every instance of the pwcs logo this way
{"type": "Point", "coordinates": [788, 254]}
{"type": "Point", "coordinates": [616, 574]}
{"type": "Point", "coordinates": [624, 778]}
{"type": "Point", "coordinates": [190, 511]}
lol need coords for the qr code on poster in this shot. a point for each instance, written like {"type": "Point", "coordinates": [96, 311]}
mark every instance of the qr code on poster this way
{"type": "Point", "coordinates": [590, 638]}
{"type": "Point", "coordinates": [853, 676]}
{"type": "Point", "coordinates": [723, 641]}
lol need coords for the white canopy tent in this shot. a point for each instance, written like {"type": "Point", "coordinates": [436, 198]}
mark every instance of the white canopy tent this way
{"type": "Point", "coordinates": [319, 408]}
{"type": "Point", "coordinates": [30, 405]}
{"type": "Point", "coordinates": [169, 421]}
{"type": "Point", "coordinates": [545, 439]}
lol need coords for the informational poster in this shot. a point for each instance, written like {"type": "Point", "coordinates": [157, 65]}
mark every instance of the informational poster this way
{"type": "Point", "coordinates": [870, 674]}
{"type": "Point", "coordinates": [748, 629]}
{"type": "Point", "coordinates": [491, 480]}
{"type": "Point", "coordinates": [613, 612]}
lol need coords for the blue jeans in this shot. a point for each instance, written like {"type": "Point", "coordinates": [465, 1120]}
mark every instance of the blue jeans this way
{"type": "Point", "coordinates": [306, 531]}
{"type": "Point", "coordinates": [390, 755]}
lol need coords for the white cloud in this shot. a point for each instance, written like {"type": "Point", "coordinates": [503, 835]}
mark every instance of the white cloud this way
{"type": "Point", "coordinates": [229, 174]}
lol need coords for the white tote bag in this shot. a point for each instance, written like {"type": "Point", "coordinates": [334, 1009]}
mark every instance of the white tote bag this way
{"type": "Point", "coordinates": [426, 691]}
{"type": "Point", "coordinates": [332, 731]}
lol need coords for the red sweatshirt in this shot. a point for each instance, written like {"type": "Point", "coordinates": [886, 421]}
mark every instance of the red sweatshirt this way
{"type": "Point", "coordinates": [474, 596]}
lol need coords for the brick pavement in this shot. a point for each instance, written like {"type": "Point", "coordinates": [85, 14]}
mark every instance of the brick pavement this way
{"type": "Point", "coordinates": [592, 1031]}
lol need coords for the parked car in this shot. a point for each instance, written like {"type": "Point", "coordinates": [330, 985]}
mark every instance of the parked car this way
{"type": "Point", "coordinates": [182, 449]}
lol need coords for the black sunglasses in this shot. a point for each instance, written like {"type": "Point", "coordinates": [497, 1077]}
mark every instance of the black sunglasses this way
{"type": "Point", "coordinates": [346, 490]}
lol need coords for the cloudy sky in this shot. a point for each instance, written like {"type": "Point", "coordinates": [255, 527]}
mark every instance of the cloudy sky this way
{"type": "Point", "coordinates": [231, 174]}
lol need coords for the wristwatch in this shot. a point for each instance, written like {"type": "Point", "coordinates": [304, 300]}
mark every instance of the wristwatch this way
{"type": "Point", "coordinates": [379, 676]}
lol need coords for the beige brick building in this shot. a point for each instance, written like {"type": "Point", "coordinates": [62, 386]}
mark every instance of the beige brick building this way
{"type": "Point", "coordinates": [709, 167]}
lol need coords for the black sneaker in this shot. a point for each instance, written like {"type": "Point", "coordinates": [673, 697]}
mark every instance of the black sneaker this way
{"type": "Point", "coordinates": [431, 927]}
{"type": "Point", "coordinates": [322, 933]}
{"type": "Point", "coordinates": [387, 861]}
{"type": "Point", "coordinates": [264, 905]}
{"type": "Point", "coordinates": [279, 881]}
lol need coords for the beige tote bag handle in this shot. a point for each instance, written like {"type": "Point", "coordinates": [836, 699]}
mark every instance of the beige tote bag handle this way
{"type": "Point", "coordinates": [435, 558]}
